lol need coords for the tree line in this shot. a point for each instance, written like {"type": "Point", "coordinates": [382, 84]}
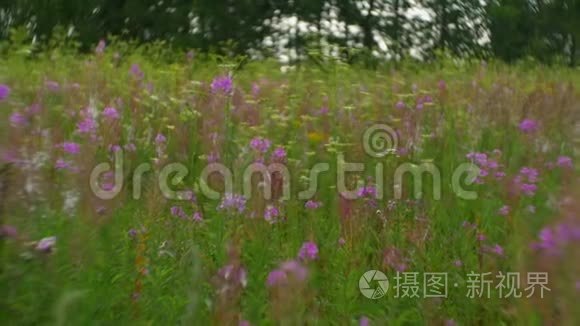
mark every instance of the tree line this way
{"type": "Point", "coordinates": [547, 30]}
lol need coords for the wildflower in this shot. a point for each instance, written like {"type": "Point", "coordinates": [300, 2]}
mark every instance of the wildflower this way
{"type": "Point", "coordinates": [279, 154]}
{"type": "Point", "coordinates": [442, 85]}
{"type": "Point", "coordinates": [244, 323]}
{"type": "Point", "coordinates": [255, 89]}
{"type": "Point", "coordinates": [271, 214]}
{"type": "Point", "coordinates": [311, 204]}
{"type": "Point", "coordinates": [498, 250]}
{"type": "Point", "coordinates": [400, 105]}
{"type": "Point", "coordinates": [528, 189]}
{"type": "Point", "coordinates": [61, 164]}
{"type": "Point", "coordinates": [8, 231]}
{"type": "Point", "coordinates": [564, 162]}
{"type": "Point", "coordinates": [341, 241]}
{"type": "Point", "coordinates": [178, 212]}
{"type": "Point", "coordinates": [504, 210]}
{"type": "Point", "coordinates": [46, 245]}
{"type": "Point", "coordinates": [308, 251]}
{"type": "Point", "coordinates": [111, 113]}
{"type": "Point", "coordinates": [394, 259]}
{"type": "Point", "coordinates": [18, 120]}
{"type": "Point", "coordinates": [276, 277]}
{"type": "Point", "coordinates": [528, 126]}
{"type": "Point", "coordinates": [71, 147]}
{"type": "Point", "coordinates": [130, 147]}
{"type": "Point", "coordinates": [52, 85]}
{"type": "Point", "coordinates": [223, 84]}
{"type": "Point", "coordinates": [160, 139]}
{"type": "Point", "coordinates": [458, 263]}
{"type": "Point", "coordinates": [4, 92]}
{"type": "Point", "coordinates": [115, 148]}
{"type": "Point", "coordinates": [288, 271]}
{"type": "Point", "coordinates": [364, 321]}
{"type": "Point", "coordinates": [87, 125]}
{"type": "Point", "coordinates": [367, 191]}
{"type": "Point", "coordinates": [101, 47]}
{"type": "Point", "coordinates": [197, 217]}
{"type": "Point", "coordinates": [260, 144]}
{"type": "Point", "coordinates": [190, 55]}
{"type": "Point", "coordinates": [136, 71]}
{"type": "Point", "coordinates": [233, 201]}
{"type": "Point", "coordinates": [132, 233]}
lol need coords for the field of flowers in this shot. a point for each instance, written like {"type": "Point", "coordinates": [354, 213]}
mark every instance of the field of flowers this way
{"type": "Point", "coordinates": [83, 245]}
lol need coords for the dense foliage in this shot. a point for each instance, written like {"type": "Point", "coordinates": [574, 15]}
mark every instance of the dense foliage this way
{"type": "Point", "coordinates": [506, 29]}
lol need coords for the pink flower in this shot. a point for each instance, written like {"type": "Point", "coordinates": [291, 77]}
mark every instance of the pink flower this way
{"type": "Point", "coordinates": [564, 162]}
{"type": "Point", "coordinates": [271, 214]}
{"type": "Point", "coordinates": [528, 126]}
{"type": "Point", "coordinates": [4, 92]}
{"type": "Point", "coordinates": [504, 210]}
{"type": "Point", "coordinates": [111, 113]}
{"type": "Point", "coordinates": [71, 147]}
{"type": "Point", "coordinates": [260, 144]}
{"type": "Point", "coordinates": [18, 120]}
{"type": "Point", "coordinates": [308, 251]}
{"type": "Point", "coordinates": [87, 125]}
{"type": "Point", "coordinates": [46, 245]}
{"type": "Point", "coordinates": [311, 204]}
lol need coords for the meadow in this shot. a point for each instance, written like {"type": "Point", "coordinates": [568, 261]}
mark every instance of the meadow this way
{"type": "Point", "coordinates": [69, 256]}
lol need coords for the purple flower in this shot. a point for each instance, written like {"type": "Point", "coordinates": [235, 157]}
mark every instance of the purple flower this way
{"type": "Point", "coordinates": [564, 162]}
{"type": "Point", "coordinates": [4, 92]}
{"type": "Point", "coordinates": [87, 125]}
{"type": "Point", "coordinates": [528, 126]}
{"type": "Point", "coordinates": [364, 321]}
{"type": "Point", "coordinates": [233, 201]}
{"type": "Point", "coordinates": [111, 113]}
{"type": "Point", "coordinates": [400, 105]}
{"type": "Point", "coordinates": [308, 251]}
{"type": "Point", "coordinates": [223, 84]}
{"type": "Point", "coordinates": [271, 213]}
{"type": "Point", "coordinates": [367, 191]}
{"type": "Point", "coordinates": [529, 189]}
{"type": "Point", "coordinates": [61, 164]}
{"type": "Point", "coordinates": [130, 147]}
{"type": "Point", "coordinates": [197, 217]}
{"type": "Point", "coordinates": [52, 85]}
{"type": "Point", "coordinates": [458, 263]}
{"type": "Point", "coordinates": [46, 245]}
{"type": "Point", "coordinates": [136, 71]}
{"type": "Point", "coordinates": [442, 85]}
{"type": "Point", "coordinates": [260, 144]}
{"type": "Point", "coordinates": [311, 204]}
{"type": "Point", "coordinates": [18, 120]}
{"type": "Point", "coordinates": [341, 241]}
{"type": "Point", "coordinates": [8, 231]}
{"type": "Point", "coordinates": [101, 47]}
{"type": "Point", "coordinates": [160, 139]}
{"type": "Point", "coordinates": [71, 147]}
{"type": "Point", "coordinates": [279, 154]}
{"type": "Point", "coordinates": [178, 212]}
{"type": "Point", "coordinates": [132, 233]}
{"type": "Point", "coordinates": [504, 210]}
{"type": "Point", "coordinates": [276, 277]}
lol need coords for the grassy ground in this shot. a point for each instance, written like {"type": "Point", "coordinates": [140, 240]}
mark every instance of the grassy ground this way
{"type": "Point", "coordinates": [156, 260]}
